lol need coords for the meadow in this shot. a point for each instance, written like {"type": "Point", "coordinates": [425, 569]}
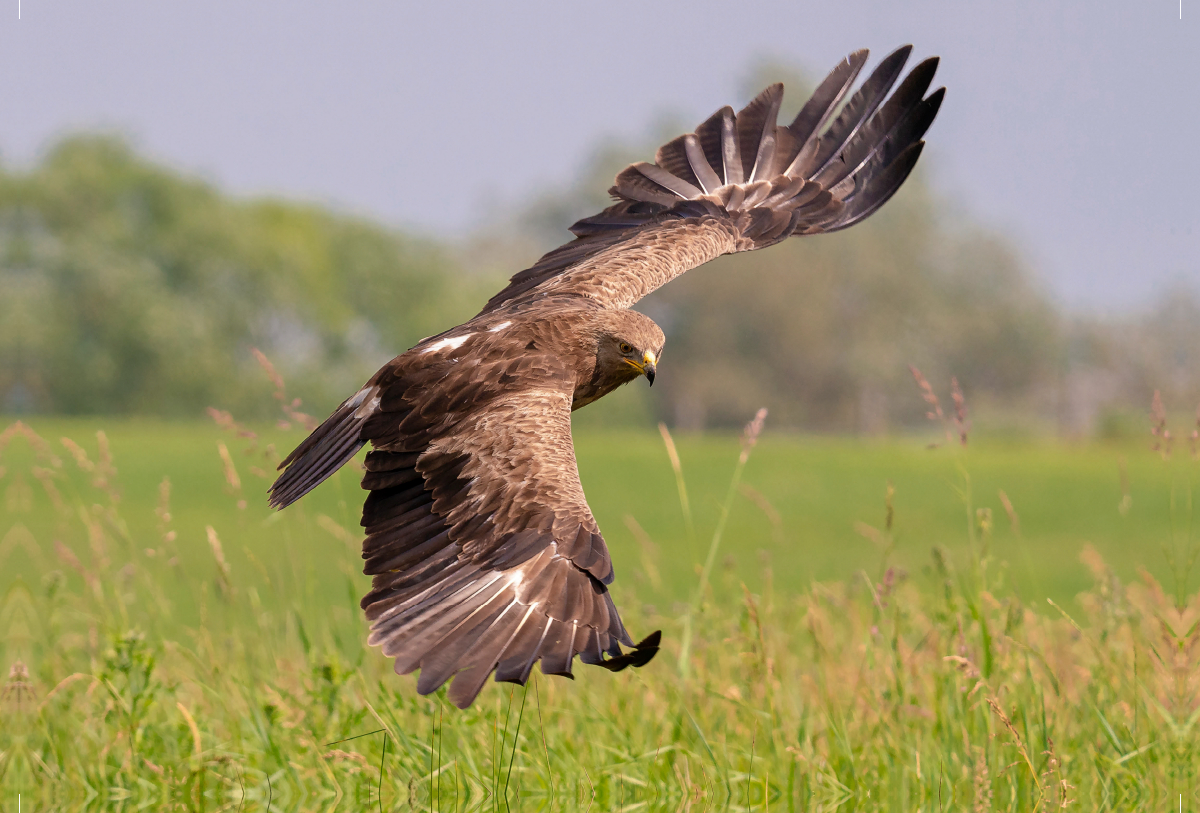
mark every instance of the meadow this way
{"type": "Point", "coordinates": [884, 625]}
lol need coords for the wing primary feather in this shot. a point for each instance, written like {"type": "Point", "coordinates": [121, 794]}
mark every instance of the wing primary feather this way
{"type": "Point", "coordinates": [409, 645]}
{"type": "Point", "coordinates": [731, 154]}
{"type": "Point", "coordinates": [668, 181]}
{"type": "Point", "coordinates": [446, 659]}
{"type": "Point", "coordinates": [882, 187]}
{"type": "Point", "coordinates": [643, 652]}
{"type": "Point", "coordinates": [820, 106]}
{"type": "Point", "coordinates": [672, 157]}
{"type": "Point", "coordinates": [907, 132]}
{"type": "Point", "coordinates": [386, 602]}
{"type": "Point", "coordinates": [517, 669]}
{"type": "Point", "coordinates": [763, 168]}
{"type": "Point", "coordinates": [557, 658]}
{"type": "Point", "coordinates": [885, 127]}
{"type": "Point", "coordinates": [591, 650]}
{"type": "Point", "coordinates": [861, 106]}
{"type": "Point", "coordinates": [469, 682]}
{"type": "Point", "coordinates": [708, 134]}
{"type": "Point", "coordinates": [703, 171]}
{"type": "Point", "coordinates": [322, 453]}
{"type": "Point", "coordinates": [458, 587]}
{"type": "Point", "coordinates": [756, 132]}
{"type": "Point", "coordinates": [405, 633]}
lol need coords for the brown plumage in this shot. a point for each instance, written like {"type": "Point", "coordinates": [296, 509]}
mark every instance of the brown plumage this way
{"type": "Point", "coordinates": [485, 555]}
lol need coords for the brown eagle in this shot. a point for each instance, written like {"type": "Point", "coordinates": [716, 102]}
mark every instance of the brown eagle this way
{"type": "Point", "coordinates": [485, 555]}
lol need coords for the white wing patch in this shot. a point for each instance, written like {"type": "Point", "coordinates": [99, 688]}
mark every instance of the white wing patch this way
{"type": "Point", "coordinates": [499, 327]}
{"type": "Point", "coordinates": [450, 342]}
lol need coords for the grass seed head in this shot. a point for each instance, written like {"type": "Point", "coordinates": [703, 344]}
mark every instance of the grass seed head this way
{"type": "Point", "coordinates": [1158, 427]}
{"type": "Point", "coordinates": [961, 421]}
{"type": "Point", "coordinates": [751, 432]}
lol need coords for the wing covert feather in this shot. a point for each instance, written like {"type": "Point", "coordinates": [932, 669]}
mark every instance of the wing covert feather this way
{"type": "Point", "coordinates": [654, 255]}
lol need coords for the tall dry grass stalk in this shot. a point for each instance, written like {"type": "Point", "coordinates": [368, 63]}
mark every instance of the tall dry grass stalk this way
{"type": "Point", "coordinates": [680, 484]}
{"type": "Point", "coordinates": [1194, 437]}
{"type": "Point", "coordinates": [749, 440]}
{"type": "Point", "coordinates": [289, 406]}
{"type": "Point", "coordinates": [935, 412]}
{"type": "Point", "coordinates": [218, 553]}
{"type": "Point", "coordinates": [1158, 427]}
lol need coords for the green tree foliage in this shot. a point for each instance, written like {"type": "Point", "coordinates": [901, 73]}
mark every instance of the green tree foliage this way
{"type": "Point", "coordinates": [125, 287]}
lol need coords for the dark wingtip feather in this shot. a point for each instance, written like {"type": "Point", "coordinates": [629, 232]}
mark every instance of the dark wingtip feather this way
{"type": "Point", "coordinates": [642, 653]}
{"type": "Point", "coordinates": [881, 188]}
{"type": "Point", "coordinates": [322, 453]}
{"type": "Point", "coordinates": [826, 97]}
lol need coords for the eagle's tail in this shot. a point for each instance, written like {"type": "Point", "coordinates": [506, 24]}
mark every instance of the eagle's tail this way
{"type": "Point", "coordinates": [326, 450]}
{"type": "Point", "coordinates": [817, 174]}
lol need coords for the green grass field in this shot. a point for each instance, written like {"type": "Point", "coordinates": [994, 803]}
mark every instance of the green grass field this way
{"type": "Point", "coordinates": [822, 489]}
{"type": "Point", "coordinates": [200, 651]}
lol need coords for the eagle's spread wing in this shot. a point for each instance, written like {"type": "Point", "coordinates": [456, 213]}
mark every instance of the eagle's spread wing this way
{"type": "Point", "coordinates": [483, 548]}
{"type": "Point", "coordinates": [742, 182]}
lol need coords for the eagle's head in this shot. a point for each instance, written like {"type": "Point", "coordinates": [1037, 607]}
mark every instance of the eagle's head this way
{"type": "Point", "coordinates": [628, 345]}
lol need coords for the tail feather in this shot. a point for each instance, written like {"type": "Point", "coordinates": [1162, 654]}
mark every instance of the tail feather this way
{"type": "Point", "coordinates": [820, 173]}
{"type": "Point", "coordinates": [330, 446]}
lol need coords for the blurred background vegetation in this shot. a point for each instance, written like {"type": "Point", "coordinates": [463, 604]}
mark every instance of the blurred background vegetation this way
{"type": "Point", "coordinates": [129, 288]}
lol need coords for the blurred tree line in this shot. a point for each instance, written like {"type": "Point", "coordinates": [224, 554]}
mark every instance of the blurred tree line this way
{"type": "Point", "coordinates": [128, 288]}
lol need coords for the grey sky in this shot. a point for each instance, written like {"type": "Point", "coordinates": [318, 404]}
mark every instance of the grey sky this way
{"type": "Point", "coordinates": [1073, 126]}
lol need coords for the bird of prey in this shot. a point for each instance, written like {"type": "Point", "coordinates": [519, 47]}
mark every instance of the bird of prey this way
{"type": "Point", "coordinates": [484, 553]}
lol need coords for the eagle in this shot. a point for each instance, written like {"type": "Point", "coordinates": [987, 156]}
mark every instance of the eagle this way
{"type": "Point", "coordinates": [485, 556]}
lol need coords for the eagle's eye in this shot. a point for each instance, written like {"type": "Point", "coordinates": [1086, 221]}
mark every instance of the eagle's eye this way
{"type": "Point", "coordinates": [625, 348]}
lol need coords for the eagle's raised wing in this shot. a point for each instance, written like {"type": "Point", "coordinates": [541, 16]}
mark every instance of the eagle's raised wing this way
{"type": "Point", "coordinates": [483, 548]}
{"type": "Point", "coordinates": [742, 182]}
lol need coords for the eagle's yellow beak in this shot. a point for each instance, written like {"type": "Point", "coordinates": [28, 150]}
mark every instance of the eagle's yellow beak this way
{"type": "Point", "coordinates": [646, 366]}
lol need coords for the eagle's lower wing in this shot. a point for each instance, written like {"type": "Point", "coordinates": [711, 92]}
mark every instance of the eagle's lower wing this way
{"type": "Point", "coordinates": [742, 182]}
{"type": "Point", "coordinates": [483, 548]}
